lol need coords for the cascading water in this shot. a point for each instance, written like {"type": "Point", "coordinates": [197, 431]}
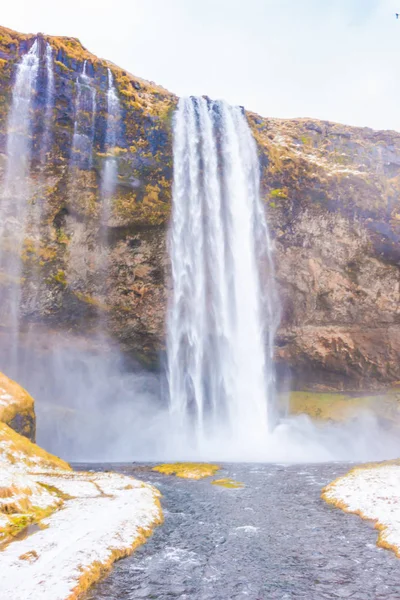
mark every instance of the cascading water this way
{"type": "Point", "coordinates": [49, 99]}
{"type": "Point", "coordinates": [36, 208]}
{"type": "Point", "coordinates": [16, 190]}
{"type": "Point", "coordinates": [85, 121]}
{"type": "Point", "coordinates": [223, 315]}
{"type": "Point", "coordinates": [108, 183]}
{"type": "Point", "coordinates": [33, 280]}
{"type": "Point", "coordinates": [110, 168]}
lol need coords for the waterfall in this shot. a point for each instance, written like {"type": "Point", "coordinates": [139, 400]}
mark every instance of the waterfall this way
{"type": "Point", "coordinates": [15, 194]}
{"type": "Point", "coordinates": [49, 99]}
{"type": "Point", "coordinates": [222, 316]}
{"type": "Point", "coordinates": [110, 168]}
{"type": "Point", "coordinates": [33, 281]}
{"type": "Point", "coordinates": [85, 121]}
{"type": "Point", "coordinates": [109, 179]}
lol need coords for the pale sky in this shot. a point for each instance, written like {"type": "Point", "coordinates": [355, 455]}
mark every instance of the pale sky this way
{"type": "Point", "coordinates": [331, 59]}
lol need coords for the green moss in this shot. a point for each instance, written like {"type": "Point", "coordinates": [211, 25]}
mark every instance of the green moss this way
{"type": "Point", "coordinates": [62, 237]}
{"type": "Point", "coordinates": [279, 193]}
{"type": "Point", "coordinates": [62, 66]}
{"type": "Point", "coordinates": [340, 407]}
{"type": "Point", "coordinates": [18, 523]}
{"type": "Point", "coordinates": [60, 277]}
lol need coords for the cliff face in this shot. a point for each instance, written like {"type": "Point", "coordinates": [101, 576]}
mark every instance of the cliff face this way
{"type": "Point", "coordinates": [64, 270]}
{"type": "Point", "coordinates": [332, 197]}
{"type": "Point", "coordinates": [330, 191]}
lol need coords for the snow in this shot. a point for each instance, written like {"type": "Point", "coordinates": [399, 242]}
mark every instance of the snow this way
{"type": "Point", "coordinates": [106, 515]}
{"type": "Point", "coordinates": [5, 398]}
{"type": "Point", "coordinates": [91, 520]}
{"type": "Point", "coordinates": [373, 492]}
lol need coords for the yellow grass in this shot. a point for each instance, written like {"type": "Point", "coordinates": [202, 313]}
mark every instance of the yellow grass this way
{"type": "Point", "coordinates": [188, 470]}
{"type": "Point", "coordinates": [18, 446]}
{"type": "Point", "coordinates": [228, 483]}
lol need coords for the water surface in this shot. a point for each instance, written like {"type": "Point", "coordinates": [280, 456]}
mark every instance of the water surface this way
{"type": "Point", "coordinates": [274, 539]}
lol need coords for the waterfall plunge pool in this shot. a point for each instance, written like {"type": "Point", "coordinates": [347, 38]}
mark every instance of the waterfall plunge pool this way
{"type": "Point", "coordinates": [273, 539]}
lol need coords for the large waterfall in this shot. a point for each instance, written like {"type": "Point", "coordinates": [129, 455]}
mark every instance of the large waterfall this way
{"type": "Point", "coordinates": [222, 317]}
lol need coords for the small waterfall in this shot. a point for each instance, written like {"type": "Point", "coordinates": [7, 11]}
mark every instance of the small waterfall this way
{"type": "Point", "coordinates": [110, 168]}
{"type": "Point", "coordinates": [50, 95]}
{"type": "Point", "coordinates": [85, 121]}
{"type": "Point", "coordinates": [223, 315]}
{"type": "Point", "coordinates": [32, 273]}
{"type": "Point", "coordinates": [16, 191]}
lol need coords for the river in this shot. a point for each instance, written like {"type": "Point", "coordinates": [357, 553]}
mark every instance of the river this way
{"type": "Point", "coordinates": [273, 539]}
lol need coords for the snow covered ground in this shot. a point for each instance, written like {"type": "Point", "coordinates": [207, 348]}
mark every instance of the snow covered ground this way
{"type": "Point", "coordinates": [373, 492]}
{"type": "Point", "coordinates": [61, 530]}
{"type": "Point", "coordinates": [106, 517]}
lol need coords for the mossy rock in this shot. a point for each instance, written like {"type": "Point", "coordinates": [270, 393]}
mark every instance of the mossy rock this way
{"type": "Point", "coordinates": [342, 407]}
{"type": "Point", "coordinates": [17, 408]}
{"type": "Point", "coordinates": [16, 445]}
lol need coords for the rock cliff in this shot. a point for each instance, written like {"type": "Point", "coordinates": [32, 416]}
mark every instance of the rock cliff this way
{"type": "Point", "coordinates": [330, 191]}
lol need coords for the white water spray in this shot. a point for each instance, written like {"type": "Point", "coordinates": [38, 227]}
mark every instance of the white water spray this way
{"type": "Point", "coordinates": [222, 318]}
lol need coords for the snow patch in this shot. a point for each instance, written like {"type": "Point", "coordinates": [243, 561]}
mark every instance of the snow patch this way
{"type": "Point", "coordinates": [373, 493]}
{"type": "Point", "coordinates": [106, 517]}
{"type": "Point", "coordinates": [86, 521]}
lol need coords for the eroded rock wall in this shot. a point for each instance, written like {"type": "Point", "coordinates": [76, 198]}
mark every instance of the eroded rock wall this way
{"type": "Point", "coordinates": [332, 195]}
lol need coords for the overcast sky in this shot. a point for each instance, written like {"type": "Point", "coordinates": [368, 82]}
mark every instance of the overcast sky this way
{"type": "Point", "coordinates": [328, 59]}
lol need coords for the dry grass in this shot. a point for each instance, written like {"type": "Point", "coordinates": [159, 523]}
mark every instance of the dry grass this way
{"type": "Point", "coordinates": [20, 402]}
{"type": "Point", "coordinates": [28, 452]}
{"type": "Point", "coordinates": [30, 556]}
